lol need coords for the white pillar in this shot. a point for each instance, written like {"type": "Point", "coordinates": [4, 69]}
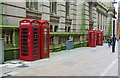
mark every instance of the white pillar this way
{"type": "Point", "coordinates": [102, 22]}
{"type": "Point", "coordinates": [61, 12]}
{"type": "Point", "coordinates": [44, 6]}
{"type": "Point", "coordinates": [99, 21]}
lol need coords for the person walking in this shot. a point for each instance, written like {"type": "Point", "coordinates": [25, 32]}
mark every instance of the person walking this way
{"type": "Point", "coordinates": [114, 40]}
{"type": "Point", "coordinates": [118, 38]}
{"type": "Point", "coordinates": [109, 40]}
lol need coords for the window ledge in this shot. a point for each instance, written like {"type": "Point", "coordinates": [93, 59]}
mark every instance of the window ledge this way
{"type": "Point", "coordinates": [33, 11]}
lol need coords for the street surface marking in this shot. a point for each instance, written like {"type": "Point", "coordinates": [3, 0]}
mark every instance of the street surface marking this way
{"type": "Point", "coordinates": [109, 67]}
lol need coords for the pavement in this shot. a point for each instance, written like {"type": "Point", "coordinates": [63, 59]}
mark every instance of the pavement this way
{"type": "Point", "coordinates": [85, 61]}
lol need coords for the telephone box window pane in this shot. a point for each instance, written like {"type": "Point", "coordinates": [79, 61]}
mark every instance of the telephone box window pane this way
{"type": "Point", "coordinates": [45, 30]}
{"type": "Point", "coordinates": [24, 47]}
{"type": "Point", "coordinates": [23, 54]}
{"type": "Point", "coordinates": [24, 43]}
{"type": "Point", "coordinates": [35, 52]}
{"type": "Point", "coordinates": [24, 32]}
{"type": "Point", "coordinates": [24, 36]}
{"type": "Point", "coordinates": [35, 32]}
{"type": "Point", "coordinates": [24, 40]}
{"type": "Point", "coordinates": [90, 38]}
{"type": "Point", "coordinates": [98, 37]}
{"type": "Point", "coordinates": [35, 38]}
{"type": "Point", "coordinates": [24, 50]}
{"type": "Point", "coordinates": [45, 50]}
{"type": "Point", "coordinates": [45, 41]}
{"type": "Point", "coordinates": [24, 29]}
{"type": "Point", "coordinates": [35, 29]}
{"type": "Point", "coordinates": [35, 46]}
{"type": "Point", "coordinates": [35, 43]}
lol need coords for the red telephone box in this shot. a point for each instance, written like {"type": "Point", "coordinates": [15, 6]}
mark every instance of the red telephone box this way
{"type": "Point", "coordinates": [91, 38]}
{"type": "Point", "coordinates": [29, 42]}
{"type": "Point", "coordinates": [45, 39]}
{"type": "Point", "coordinates": [99, 38]}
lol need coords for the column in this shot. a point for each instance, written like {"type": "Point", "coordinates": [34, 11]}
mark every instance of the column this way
{"type": "Point", "coordinates": [61, 13]}
{"type": "Point", "coordinates": [13, 38]}
{"type": "Point", "coordinates": [99, 21]}
{"type": "Point", "coordinates": [106, 25]}
{"type": "Point", "coordinates": [9, 38]}
{"type": "Point", "coordinates": [79, 14]}
{"type": "Point", "coordinates": [1, 18]}
{"type": "Point", "coordinates": [102, 22]}
{"type": "Point", "coordinates": [95, 17]}
{"type": "Point", "coordinates": [45, 7]}
{"type": "Point", "coordinates": [73, 15]}
{"type": "Point", "coordinates": [5, 41]}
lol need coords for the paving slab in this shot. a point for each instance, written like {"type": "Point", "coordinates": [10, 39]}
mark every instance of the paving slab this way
{"type": "Point", "coordinates": [77, 62]}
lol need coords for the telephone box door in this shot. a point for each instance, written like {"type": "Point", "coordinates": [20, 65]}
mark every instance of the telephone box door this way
{"type": "Point", "coordinates": [91, 38]}
{"type": "Point", "coordinates": [45, 39]}
{"type": "Point", "coordinates": [28, 40]}
{"type": "Point", "coordinates": [25, 38]}
{"type": "Point", "coordinates": [99, 37]}
{"type": "Point", "coordinates": [36, 40]}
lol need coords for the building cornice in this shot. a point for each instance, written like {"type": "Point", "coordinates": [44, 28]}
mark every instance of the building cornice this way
{"type": "Point", "coordinates": [54, 18]}
{"type": "Point", "coordinates": [13, 16]}
{"type": "Point", "coordinates": [13, 5]}
{"type": "Point", "coordinates": [101, 5]}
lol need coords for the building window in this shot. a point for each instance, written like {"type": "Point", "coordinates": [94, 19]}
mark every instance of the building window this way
{"type": "Point", "coordinates": [53, 7]}
{"type": "Point", "coordinates": [50, 7]}
{"type": "Point", "coordinates": [32, 4]}
{"type": "Point", "coordinates": [90, 10]}
{"type": "Point", "coordinates": [27, 4]}
{"type": "Point", "coordinates": [68, 29]}
{"type": "Point", "coordinates": [11, 35]}
{"type": "Point", "coordinates": [51, 28]}
{"type": "Point", "coordinates": [67, 9]}
{"type": "Point", "coordinates": [55, 28]}
{"type": "Point", "coordinates": [65, 28]}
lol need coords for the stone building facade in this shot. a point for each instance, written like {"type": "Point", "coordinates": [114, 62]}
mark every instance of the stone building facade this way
{"type": "Point", "coordinates": [68, 19]}
{"type": "Point", "coordinates": [118, 22]}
